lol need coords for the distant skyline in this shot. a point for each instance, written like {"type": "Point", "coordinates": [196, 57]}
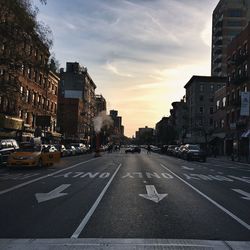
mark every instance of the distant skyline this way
{"type": "Point", "coordinates": [140, 53]}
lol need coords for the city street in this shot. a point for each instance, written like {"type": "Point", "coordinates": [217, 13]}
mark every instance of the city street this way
{"type": "Point", "coordinates": [126, 196]}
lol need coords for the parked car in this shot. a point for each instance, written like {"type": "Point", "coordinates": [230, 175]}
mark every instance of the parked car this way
{"type": "Point", "coordinates": [193, 152]}
{"type": "Point", "coordinates": [155, 149]}
{"type": "Point", "coordinates": [7, 146]}
{"type": "Point", "coordinates": [30, 155]}
{"type": "Point", "coordinates": [133, 150]}
{"type": "Point", "coordinates": [69, 150]}
{"type": "Point", "coordinates": [170, 149]}
{"type": "Point", "coordinates": [61, 148]}
{"type": "Point", "coordinates": [164, 149]}
{"type": "Point", "coordinates": [80, 147]}
{"type": "Point", "coordinates": [180, 151]}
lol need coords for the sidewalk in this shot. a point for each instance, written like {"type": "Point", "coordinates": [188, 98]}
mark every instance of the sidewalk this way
{"type": "Point", "coordinates": [228, 159]}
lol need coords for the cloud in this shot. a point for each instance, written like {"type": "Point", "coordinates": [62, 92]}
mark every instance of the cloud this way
{"type": "Point", "coordinates": [115, 71]}
{"type": "Point", "coordinates": [137, 51]}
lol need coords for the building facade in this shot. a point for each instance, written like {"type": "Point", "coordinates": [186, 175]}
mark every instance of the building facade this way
{"type": "Point", "coordinates": [229, 18]}
{"type": "Point", "coordinates": [76, 83]}
{"type": "Point", "coordinates": [118, 128]}
{"type": "Point", "coordinates": [200, 106]}
{"type": "Point", "coordinates": [145, 135]}
{"type": "Point", "coordinates": [101, 104]}
{"type": "Point", "coordinates": [237, 89]}
{"type": "Point", "coordinates": [219, 116]}
{"type": "Point", "coordinates": [179, 120]}
{"type": "Point", "coordinates": [28, 86]}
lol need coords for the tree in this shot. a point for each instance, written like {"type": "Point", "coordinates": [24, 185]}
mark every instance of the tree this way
{"type": "Point", "coordinates": [19, 29]}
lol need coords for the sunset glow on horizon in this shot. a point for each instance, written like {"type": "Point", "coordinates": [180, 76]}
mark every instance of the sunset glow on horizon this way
{"type": "Point", "coordinates": [140, 54]}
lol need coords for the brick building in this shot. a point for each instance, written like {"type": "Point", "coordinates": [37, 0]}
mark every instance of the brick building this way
{"type": "Point", "coordinates": [179, 119]}
{"type": "Point", "coordinates": [200, 106]}
{"type": "Point", "coordinates": [100, 103]}
{"type": "Point", "coordinates": [219, 117]}
{"type": "Point", "coordinates": [30, 87]}
{"type": "Point", "coordinates": [237, 119]}
{"type": "Point", "coordinates": [76, 83]}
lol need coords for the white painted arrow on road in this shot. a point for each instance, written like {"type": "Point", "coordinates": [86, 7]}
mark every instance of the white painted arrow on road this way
{"type": "Point", "coordinates": [246, 194]}
{"type": "Point", "coordinates": [41, 197]}
{"type": "Point", "coordinates": [152, 194]}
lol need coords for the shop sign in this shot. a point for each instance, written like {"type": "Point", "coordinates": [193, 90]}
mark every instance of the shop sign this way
{"type": "Point", "coordinates": [244, 109]}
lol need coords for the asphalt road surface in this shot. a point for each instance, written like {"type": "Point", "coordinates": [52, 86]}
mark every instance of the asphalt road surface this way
{"type": "Point", "coordinates": [148, 199]}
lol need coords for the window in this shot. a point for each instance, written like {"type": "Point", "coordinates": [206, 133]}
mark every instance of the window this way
{"type": "Point", "coordinates": [211, 110]}
{"type": "Point", "coordinates": [1, 72]}
{"type": "Point", "coordinates": [211, 99]}
{"type": "Point", "coordinates": [245, 88]}
{"type": "Point", "coordinates": [218, 104]}
{"type": "Point", "coordinates": [218, 86]}
{"type": "Point", "coordinates": [211, 122]}
{"type": "Point", "coordinates": [245, 48]}
{"type": "Point", "coordinates": [201, 98]}
{"type": "Point", "coordinates": [27, 95]}
{"type": "Point", "coordinates": [33, 97]}
{"type": "Point", "coordinates": [233, 23]}
{"type": "Point", "coordinates": [235, 13]}
{"type": "Point", "coordinates": [21, 90]}
{"type": "Point", "coordinates": [36, 76]}
{"type": "Point", "coordinates": [245, 69]}
{"type": "Point", "coordinates": [211, 88]}
{"type": "Point", "coordinates": [239, 72]}
{"type": "Point", "coordinates": [201, 87]}
{"type": "Point", "coordinates": [224, 102]}
{"type": "Point", "coordinates": [29, 73]}
{"type": "Point", "coordinates": [40, 79]}
{"type": "Point", "coordinates": [30, 50]}
{"type": "Point", "coordinates": [222, 123]}
{"type": "Point", "coordinates": [201, 110]}
{"type": "Point", "coordinates": [232, 117]}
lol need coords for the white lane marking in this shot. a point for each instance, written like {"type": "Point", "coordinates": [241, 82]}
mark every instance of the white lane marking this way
{"type": "Point", "coordinates": [243, 223]}
{"type": "Point", "coordinates": [187, 168]}
{"type": "Point", "coordinates": [43, 177]}
{"type": "Point", "coordinates": [85, 220]}
{"type": "Point", "coordinates": [243, 179]}
{"type": "Point", "coordinates": [152, 194]}
{"type": "Point", "coordinates": [246, 194]}
{"type": "Point", "coordinates": [55, 193]}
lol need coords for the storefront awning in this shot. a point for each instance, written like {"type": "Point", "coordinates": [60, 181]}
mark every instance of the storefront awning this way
{"type": "Point", "coordinates": [246, 134]}
{"type": "Point", "coordinates": [11, 123]}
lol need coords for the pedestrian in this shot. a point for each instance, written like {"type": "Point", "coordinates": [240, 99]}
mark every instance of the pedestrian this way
{"type": "Point", "coordinates": [148, 149]}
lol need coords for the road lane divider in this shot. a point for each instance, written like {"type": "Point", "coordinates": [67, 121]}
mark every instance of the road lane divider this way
{"type": "Point", "coordinates": [246, 195]}
{"type": "Point", "coordinates": [240, 221]}
{"type": "Point", "coordinates": [43, 177]}
{"type": "Point", "coordinates": [85, 220]}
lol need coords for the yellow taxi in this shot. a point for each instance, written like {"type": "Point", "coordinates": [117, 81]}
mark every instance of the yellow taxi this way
{"type": "Point", "coordinates": [31, 155]}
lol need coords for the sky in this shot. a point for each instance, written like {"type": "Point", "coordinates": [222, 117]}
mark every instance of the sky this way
{"type": "Point", "coordinates": [139, 53]}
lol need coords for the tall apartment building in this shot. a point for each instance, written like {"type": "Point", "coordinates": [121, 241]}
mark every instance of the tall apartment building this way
{"type": "Point", "coordinates": [76, 83]}
{"type": "Point", "coordinates": [229, 18]}
{"type": "Point", "coordinates": [200, 105]}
